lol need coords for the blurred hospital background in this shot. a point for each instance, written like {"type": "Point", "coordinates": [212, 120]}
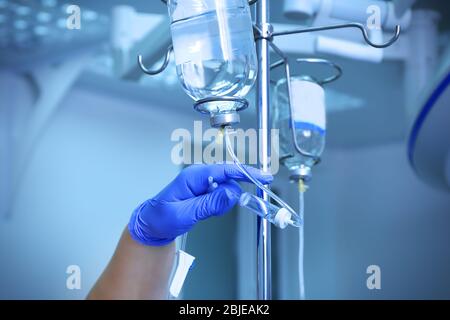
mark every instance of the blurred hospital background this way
{"type": "Point", "coordinates": [85, 137]}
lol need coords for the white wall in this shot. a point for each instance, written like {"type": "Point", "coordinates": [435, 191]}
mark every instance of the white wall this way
{"type": "Point", "coordinates": [100, 158]}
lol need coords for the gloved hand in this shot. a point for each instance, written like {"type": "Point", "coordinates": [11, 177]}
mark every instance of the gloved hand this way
{"type": "Point", "coordinates": [187, 200]}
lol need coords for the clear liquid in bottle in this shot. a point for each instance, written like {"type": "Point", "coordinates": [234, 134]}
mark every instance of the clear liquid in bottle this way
{"type": "Point", "coordinates": [215, 53]}
{"type": "Point", "coordinates": [308, 103]}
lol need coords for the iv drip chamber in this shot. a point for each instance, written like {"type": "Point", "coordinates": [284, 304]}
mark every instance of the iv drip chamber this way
{"type": "Point", "coordinates": [280, 217]}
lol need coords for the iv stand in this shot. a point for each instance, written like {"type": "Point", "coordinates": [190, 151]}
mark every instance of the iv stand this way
{"type": "Point", "coordinates": [263, 240]}
{"type": "Point", "coordinates": [264, 35]}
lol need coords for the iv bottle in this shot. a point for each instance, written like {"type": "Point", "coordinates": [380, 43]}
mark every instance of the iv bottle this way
{"type": "Point", "coordinates": [280, 217]}
{"type": "Point", "coordinates": [309, 115]}
{"type": "Point", "coordinates": [214, 49]}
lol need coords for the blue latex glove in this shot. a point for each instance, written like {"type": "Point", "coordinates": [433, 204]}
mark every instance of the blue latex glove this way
{"type": "Point", "coordinates": [187, 200]}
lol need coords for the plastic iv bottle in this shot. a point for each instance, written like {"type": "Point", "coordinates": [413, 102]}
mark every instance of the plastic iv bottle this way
{"type": "Point", "coordinates": [214, 48]}
{"type": "Point", "coordinates": [309, 115]}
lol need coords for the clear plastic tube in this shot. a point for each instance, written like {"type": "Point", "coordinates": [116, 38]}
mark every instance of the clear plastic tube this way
{"type": "Point", "coordinates": [301, 241]}
{"type": "Point", "coordinates": [296, 219]}
{"type": "Point", "coordinates": [280, 217]}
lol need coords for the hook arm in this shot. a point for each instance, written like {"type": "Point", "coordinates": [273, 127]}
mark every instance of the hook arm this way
{"type": "Point", "coordinates": [160, 69]}
{"type": "Point", "coordinates": [347, 25]}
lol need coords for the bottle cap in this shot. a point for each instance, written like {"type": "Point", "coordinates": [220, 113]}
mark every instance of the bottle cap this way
{"type": "Point", "coordinates": [282, 218]}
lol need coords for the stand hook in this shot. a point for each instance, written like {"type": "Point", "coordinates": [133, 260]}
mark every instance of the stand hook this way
{"type": "Point", "coordinates": [160, 69]}
{"type": "Point", "coordinates": [342, 26]}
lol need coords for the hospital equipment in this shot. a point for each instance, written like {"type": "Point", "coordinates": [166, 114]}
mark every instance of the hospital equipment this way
{"type": "Point", "coordinates": [228, 133]}
{"type": "Point", "coordinates": [429, 142]}
{"type": "Point", "coordinates": [212, 185]}
{"type": "Point", "coordinates": [276, 215]}
{"type": "Point", "coordinates": [219, 88]}
{"type": "Point", "coordinates": [300, 115]}
{"type": "Point", "coordinates": [280, 217]}
{"type": "Point", "coordinates": [214, 52]}
{"type": "Point", "coordinates": [301, 239]}
{"type": "Point", "coordinates": [215, 55]}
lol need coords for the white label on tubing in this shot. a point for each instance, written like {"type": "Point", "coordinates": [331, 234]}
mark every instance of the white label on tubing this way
{"type": "Point", "coordinates": [308, 103]}
{"type": "Point", "coordinates": [185, 261]}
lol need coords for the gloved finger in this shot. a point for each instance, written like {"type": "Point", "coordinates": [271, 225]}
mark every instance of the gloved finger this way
{"type": "Point", "coordinates": [193, 181]}
{"type": "Point", "coordinates": [218, 202]}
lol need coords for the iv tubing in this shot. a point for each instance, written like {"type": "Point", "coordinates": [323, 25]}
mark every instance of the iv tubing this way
{"type": "Point", "coordinates": [301, 240]}
{"type": "Point", "coordinates": [256, 182]}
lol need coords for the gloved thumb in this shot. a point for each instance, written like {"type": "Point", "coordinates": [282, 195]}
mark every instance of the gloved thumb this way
{"type": "Point", "coordinates": [220, 201]}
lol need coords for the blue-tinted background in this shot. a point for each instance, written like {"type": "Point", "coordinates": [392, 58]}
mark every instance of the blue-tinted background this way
{"type": "Point", "coordinates": [81, 147]}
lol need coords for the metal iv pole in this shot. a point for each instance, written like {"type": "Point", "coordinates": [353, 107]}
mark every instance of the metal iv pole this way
{"type": "Point", "coordinates": [263, 241]}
